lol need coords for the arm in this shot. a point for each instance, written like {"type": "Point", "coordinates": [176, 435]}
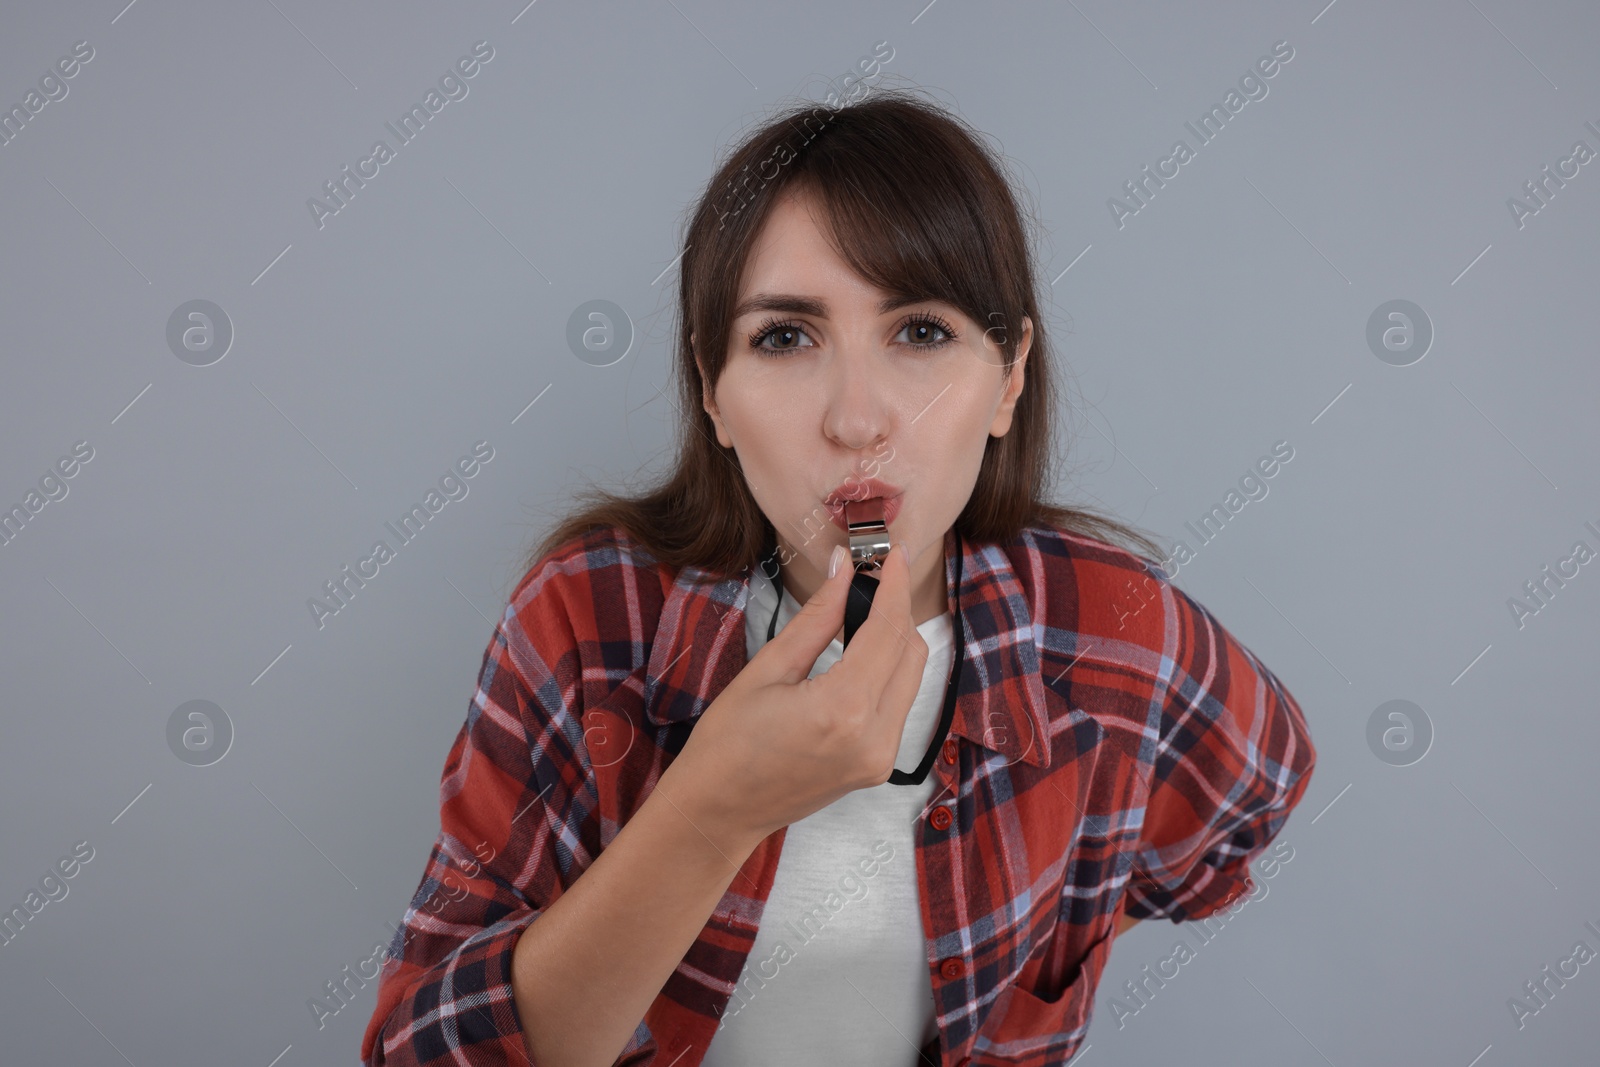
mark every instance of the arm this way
{"type": "Point", "coordinates": [551, 949]}
{"type": "Point", "coordinates": [1234, 758]}
{"type": "Point", "coordinates": [493, 962]}
{"type": "Point", "coordinates": [1125, 923]}
{"type": "Point", "coordinates": [587, 970]}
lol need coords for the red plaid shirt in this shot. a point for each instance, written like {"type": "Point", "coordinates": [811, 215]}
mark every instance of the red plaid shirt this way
{"type": "Point", "coordinates": [1114, 751]}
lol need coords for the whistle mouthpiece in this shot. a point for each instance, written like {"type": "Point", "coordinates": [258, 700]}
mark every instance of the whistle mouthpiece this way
{"type": "Point", "coordinates": [869, 534]}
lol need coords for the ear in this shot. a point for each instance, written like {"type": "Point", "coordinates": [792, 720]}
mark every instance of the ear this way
{"type": "Point", "coordinates": [1013, 386]}
{"type": "Point", "coordinates": [708, 400]}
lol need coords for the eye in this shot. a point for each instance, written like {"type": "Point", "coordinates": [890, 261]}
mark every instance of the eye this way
{"type": "Point", "coordinates": [926, 331]}
{"type": "Point", "coordinates": [922, 328]}
{"type": "Point", "coordinates": [785, 330]}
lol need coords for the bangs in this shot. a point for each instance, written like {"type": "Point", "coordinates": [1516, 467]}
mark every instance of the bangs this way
{"type": "Point", "coordinates": [907, 218]}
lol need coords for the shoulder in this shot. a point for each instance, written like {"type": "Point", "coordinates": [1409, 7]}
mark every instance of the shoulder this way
{"type": "Point", "coordinates": [1086, 592]}
{"type": "Point", "coordinates": [1086, 584]}
{"type": "Point", "coordinates": [1090, 557]}
{"type": "Point", "coordinates": [1146, 654]}
{"type": "Point", "coordinates": [597, 587]}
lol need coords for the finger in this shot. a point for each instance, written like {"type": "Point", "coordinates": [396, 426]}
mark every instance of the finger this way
{"type": "Point", "coordinates": [802, 639]}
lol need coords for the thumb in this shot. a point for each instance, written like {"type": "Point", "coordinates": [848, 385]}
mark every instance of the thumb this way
{"type": "Point", "coordinates": [802, 639]}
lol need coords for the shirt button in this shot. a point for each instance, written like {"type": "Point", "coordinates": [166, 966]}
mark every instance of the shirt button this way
{"type": "Point", "coordinates": [940, 819]}
{"type": "Point", "coordinates": [950, 751]}
{"type": "Point", "coordinates": [953, 968]}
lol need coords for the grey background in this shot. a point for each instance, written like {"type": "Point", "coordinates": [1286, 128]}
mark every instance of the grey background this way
{"type": "Point", "coordinates": [1228, 314]}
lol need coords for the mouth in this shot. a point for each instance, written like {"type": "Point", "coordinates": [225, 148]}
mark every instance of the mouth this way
{"type": "Point", "coordinates": [840, 511]}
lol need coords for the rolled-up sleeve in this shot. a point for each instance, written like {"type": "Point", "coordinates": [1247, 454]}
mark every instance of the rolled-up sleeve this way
{"type": "Point", "coordinates": [1234, 757]}
{"type": "Point", "coordinates": [515, 797]}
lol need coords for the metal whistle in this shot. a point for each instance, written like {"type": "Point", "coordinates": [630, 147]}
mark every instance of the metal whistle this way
{"type": "Point", "coordinates": [869, 550]}
{"type": "Point", "coordinates": [869, 534]}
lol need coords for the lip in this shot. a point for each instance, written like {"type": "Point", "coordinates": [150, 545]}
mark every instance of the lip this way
{"type": "Point", "coordinates": [867, 489]}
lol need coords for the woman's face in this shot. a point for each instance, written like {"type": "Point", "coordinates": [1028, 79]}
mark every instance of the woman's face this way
{"type": "Point", "coordinates": [825, 388]}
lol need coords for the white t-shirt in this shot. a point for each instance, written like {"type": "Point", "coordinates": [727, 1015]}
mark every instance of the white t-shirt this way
{"type": "Point", "coordinates": [839, 972]}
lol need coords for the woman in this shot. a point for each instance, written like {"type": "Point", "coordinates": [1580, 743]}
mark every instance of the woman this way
{"type": "Point", "coordinates": [1033, 740]}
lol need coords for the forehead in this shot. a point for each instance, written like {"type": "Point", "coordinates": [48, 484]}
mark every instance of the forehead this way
{"type": "Point", "coordinates": [792, 254]}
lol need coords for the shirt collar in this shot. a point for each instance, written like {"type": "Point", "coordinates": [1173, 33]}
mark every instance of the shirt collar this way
{"type": "Point", "coordinates": [699, 648]}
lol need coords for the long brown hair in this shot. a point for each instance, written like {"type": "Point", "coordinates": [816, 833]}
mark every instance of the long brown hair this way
{"type": "Point", "coordinates": [917, 205]}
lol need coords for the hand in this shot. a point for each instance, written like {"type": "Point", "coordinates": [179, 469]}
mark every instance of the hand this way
{"type": "Point", "coordinates": [777, 745]}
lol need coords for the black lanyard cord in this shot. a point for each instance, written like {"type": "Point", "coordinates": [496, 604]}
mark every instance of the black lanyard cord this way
{"type": "Point", "coordinates": [859, 604]}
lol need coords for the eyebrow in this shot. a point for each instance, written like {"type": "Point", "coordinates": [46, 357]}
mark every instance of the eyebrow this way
{"type": "Point", "coordinates": [810, 305]}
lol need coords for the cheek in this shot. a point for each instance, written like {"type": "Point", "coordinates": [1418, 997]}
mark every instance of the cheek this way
{"type": "Point", "coordinates": [958, 455]}
{"type": "Point", "coordinates": [749, 394]}
{"type": "Point", "coordinates": [974, 400]}
{"type": "Point", "coordinates": [775, 451]}
{"type": "Point", "coordinates": [950, 438]}
{"type": "Point", "coordinates": [766, 424]}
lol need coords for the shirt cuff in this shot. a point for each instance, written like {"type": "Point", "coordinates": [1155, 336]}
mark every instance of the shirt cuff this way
{"type": "Point", "coordinates": [1204, 892]}
{"type": "Point", "coordinates": [464, 1001]}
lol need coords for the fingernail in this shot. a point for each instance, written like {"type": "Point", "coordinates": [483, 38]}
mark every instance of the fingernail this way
{"type": "Point", "coordinates": [905, 552]}
{"type": "Point", "coordinates": [835, 560]}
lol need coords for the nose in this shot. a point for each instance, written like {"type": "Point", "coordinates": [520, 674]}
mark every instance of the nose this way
{"type": "Point", "coordinates": [859, 410]}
